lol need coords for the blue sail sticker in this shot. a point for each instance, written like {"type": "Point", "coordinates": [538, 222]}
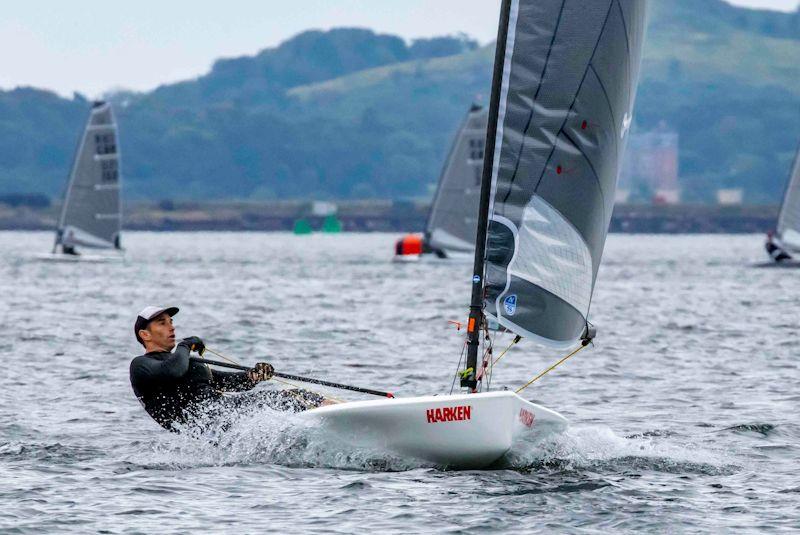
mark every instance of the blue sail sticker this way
{"type": "Point", "coordinates": [510, 304]}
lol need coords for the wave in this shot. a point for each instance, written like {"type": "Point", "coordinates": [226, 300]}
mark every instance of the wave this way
{"type": "Point", "coordinates": [266, 436]}
{"type": "Point", "coordinates": [598, 448]}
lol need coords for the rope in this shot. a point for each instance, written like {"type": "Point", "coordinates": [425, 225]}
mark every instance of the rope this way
{"type": "Point", "coordinates": [512, 344]}
{"type": "Point", "coordinates": [551, 368]}
{"type": "Point", "coordinates": [458, 367]}
{"type": "Point", "coordinates": [273, 378]}
{"type": "Point", "coordinates": [220, 355]}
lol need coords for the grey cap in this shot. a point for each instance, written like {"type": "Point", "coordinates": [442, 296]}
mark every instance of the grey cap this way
{"type": "Point", "coordinates": [147, 314]}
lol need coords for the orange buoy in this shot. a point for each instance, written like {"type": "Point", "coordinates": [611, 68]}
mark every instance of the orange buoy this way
{"type": "Point", "coordinates": [410, 244]}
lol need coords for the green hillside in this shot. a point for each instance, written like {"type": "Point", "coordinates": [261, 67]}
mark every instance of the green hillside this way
{"type": "Point", "coordinates": [352, 114]}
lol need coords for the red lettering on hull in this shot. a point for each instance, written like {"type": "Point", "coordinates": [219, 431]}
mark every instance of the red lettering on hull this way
{"type": "Point", "coordinates": [526, 417]}
{"type": "Point", "coordinates": [449, 414]}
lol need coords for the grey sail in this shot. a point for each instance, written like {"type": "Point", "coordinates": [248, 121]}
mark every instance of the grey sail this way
{"type": "Point", "coordinates": [565, 107]}
{"type": "Point", "coordinates": [91, 214]}
{"type": "Point", "coordinates": [452, 221]}
{"type": "Point", "coordinates": [788, 229]}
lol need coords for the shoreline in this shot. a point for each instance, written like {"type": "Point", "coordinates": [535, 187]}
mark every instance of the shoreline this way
{"type": "Point", "coordinates": [389, 216]}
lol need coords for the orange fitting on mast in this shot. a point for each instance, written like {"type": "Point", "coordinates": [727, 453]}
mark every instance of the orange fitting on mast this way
{"type": "Point", "coordinates": [471, 326]}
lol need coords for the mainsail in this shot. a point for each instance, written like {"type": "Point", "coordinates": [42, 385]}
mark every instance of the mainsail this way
{"type": "Point", "coordinates": [788, 229]}
{"type": "Point", "coordinates": [562, 103]}
{"type": "Point", "coordinates": [91, 214]}
{"type": "Point", "coordinates": [453, 218]}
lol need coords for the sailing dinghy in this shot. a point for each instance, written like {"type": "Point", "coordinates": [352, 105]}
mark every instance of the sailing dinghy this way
{"type": "Point", "coordinates": [91, 213]}
{"type": "Point", "coordinates": [453, 217]}
{"type": "Point", "coordinates": [562, 100]}
{"type": "Point", "coordinates": [783, 245]}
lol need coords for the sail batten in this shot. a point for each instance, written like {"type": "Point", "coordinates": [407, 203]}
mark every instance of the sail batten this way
{"type": "Point", "coordinates": [564, 111]}
{"type": "Point", "coordinates": [91, 214]}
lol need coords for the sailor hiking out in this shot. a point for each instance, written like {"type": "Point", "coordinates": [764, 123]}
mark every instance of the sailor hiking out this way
{"type": "Point", "coordinates": [774, 250]}
{"type": "Point", "coordinates": [176, 389]}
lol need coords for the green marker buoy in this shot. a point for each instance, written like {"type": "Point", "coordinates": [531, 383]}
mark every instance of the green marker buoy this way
{"type": "Point", "coordinates": [302, 227]}
{"type": "Point", "coordinates": [331, 225]}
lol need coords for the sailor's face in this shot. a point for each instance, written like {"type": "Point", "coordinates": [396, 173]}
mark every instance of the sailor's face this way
{"type": "Point", "coordinates": [160, 332]}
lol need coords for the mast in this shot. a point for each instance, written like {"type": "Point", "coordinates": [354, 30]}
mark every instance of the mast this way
{"type": "Point", "coordinates": [468, 378]}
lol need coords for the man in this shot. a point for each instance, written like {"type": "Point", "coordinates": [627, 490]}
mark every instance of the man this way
{"type": "Point", "coordinates": [775, 251]}
{"type": "Point", "coordinates": [174, 389]}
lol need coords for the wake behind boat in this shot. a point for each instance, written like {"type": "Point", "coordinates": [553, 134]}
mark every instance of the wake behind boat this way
{"type": "Point", "coordinates": [562, 102]}
{"type": "Point", "coordinates": [91, 214]}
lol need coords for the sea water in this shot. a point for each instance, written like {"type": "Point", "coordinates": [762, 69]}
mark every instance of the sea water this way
{"type": "Point", "coordinates": [684, 416]}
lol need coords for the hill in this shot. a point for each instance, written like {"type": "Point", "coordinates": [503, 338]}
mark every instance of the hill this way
{"type": "Point", "coordinates": [353, 114]}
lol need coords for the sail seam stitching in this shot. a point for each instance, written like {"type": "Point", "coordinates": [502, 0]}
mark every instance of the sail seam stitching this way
{"type": "Point", "coordinates": [625, 27]}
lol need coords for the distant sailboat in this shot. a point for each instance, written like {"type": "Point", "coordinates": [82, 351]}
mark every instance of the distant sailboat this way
{"type": "Point", "coordinates": [562, 101]}
{"type": "Point", "coordinates": [783, 245]}
{"type": "Point", "coordinates": [91, 214]}
{"type": "Point", "coordinates": [453, 217]}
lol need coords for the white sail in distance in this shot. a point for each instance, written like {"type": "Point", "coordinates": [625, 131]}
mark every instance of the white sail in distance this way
{"type": "Point", "coordinates": [788, 230]}
{"type": "Point", "coordinates": [91, 213]}
{"type": "Point", "coordinates": [453, 219]}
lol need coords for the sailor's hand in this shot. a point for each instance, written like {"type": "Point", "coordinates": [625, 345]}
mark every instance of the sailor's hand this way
{"type": "Point", "coordinates": [194, 344]}
{"type": "Point", "coordinates": [261, 372]}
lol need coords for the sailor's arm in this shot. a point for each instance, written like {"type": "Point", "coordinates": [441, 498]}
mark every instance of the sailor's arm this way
{"type": "Point", "coordinates": [242, 381]}
{"type": "Point", "coordinates": [173, 367]}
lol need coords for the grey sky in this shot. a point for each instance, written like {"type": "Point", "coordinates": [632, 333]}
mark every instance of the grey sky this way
{"type": "Point", "coordinates": [92, 45]}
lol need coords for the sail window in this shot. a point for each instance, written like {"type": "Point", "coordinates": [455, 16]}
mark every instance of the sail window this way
{"type": "Point", "coordinates": [476, 150]}
{"type": "Point", "coordinates": [109, 172]}
{"type": "Point", "coordinates": [105, 144]}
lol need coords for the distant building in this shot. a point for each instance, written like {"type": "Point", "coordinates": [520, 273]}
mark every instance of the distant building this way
{"type": "Point", "coordinates": [666, 196]}
{"type": "Point", "coordinates": [650, 167]}
{"type": "Point", "coordinates": [730, 196]}
{"type": "Point", "coordinates": [323, 208]}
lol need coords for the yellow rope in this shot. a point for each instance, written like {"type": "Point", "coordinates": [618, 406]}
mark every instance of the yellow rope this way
{"type": "Point", "coordinates": [513, 342]}
{"type": "Point", "coordinates": [220, 355]}
{"type": "Point", "coordinates": [548, 370]}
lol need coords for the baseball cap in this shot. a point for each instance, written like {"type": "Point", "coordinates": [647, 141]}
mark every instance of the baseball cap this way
{"type": "Point", "coordinates": [147, 314]}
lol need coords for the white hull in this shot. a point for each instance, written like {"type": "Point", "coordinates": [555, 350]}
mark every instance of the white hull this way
{"type": "Point", "coordinates": [791, 264]}
{"type": "Point", "coordinates": [464, 430]}
{"type": "Point", "coordinates": [406, 258]}
{"type": "Point", "coordinates": [85, 258]}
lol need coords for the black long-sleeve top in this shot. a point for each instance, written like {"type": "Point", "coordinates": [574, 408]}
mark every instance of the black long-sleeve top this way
{"type": "Point", "coordinates": [171, 387]}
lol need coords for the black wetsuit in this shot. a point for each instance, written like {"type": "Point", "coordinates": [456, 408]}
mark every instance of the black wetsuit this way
{"type": "Point", "coordinates": [776, 252]}
{"type": "Point", "coordinates": [174, 389]}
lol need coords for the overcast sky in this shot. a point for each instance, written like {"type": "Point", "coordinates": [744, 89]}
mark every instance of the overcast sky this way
{"type": "Point", "coordinates": [92, 45]}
